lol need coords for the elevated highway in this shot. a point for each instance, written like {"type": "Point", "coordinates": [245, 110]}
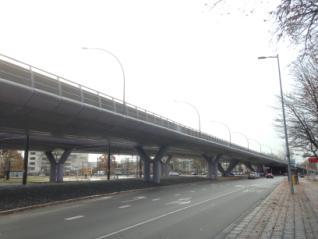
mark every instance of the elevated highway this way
{"type": "Point", "coordinates": [57, 113]}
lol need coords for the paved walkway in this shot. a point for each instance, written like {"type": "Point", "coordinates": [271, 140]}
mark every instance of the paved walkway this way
{"type": "Point", "coordinates": [281, 215]}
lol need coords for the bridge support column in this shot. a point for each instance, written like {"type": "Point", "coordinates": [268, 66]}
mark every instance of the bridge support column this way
{"type": "Point", "coordinates": [156, 163]}
{"type": "Point", "coordinates": [232, 165]}
{"type": "Point", "coordinates": [165, 167]}
{"type": "Point", "coordinates": [260, 168]}
{"type": "Point", "coordinates": [57, 165]}
{"type": "Point", "coordinates": [221, 169]}
{"type": "Point", "coordinates": [146, 161]}
{"type": "Point", "coordinates": [156, 171]}
{"type": "Point", "coordinates": [212, 162]}
{"type": "Point", "coordinates": [249, 166]}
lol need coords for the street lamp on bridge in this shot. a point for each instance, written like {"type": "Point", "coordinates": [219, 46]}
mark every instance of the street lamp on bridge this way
{"type": "Point", "coordinates": [248, 142]}
{"type": "Point", "coordinates": [259, 144]}
{"type": "Point", "coordinates": [121, 67]}
{"type": "Point", "coordinates": [225, 125]}
{"type": "Point", "coordinates": [195, 109]}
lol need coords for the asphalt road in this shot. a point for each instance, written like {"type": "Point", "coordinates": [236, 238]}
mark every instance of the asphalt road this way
{"type": "Point", "coordinates": [195, 210]}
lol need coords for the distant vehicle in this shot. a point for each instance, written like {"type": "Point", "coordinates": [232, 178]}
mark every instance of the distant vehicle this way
{"type": "Point", "coordinates": [301, 175]}
{"type": "Point", "coordinates": [194, 173]}
{"type": "Point", "coordinates": [252, 175]}
{"type": "Point", "coordinates": [172, 173]}
{"type": "Point", "coordinates": [269, 175]}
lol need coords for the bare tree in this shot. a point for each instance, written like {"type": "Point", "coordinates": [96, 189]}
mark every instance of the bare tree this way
{"type": "Point", "coordinates": [302, 107]}
{"type": "Point", "coordinates": [298, 19]}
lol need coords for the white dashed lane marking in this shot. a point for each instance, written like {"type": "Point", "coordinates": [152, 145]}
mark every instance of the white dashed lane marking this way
{"type": "Point", "coordinates": [74, 218]}
{"type": "Point", "coordinates": [134, 199]}
{"type": "Point", "coordinates": [180, 201]}
{"type": "Point", "coordinates": [124, 206]}
{"type": "Point", "coordinates": [155, 199]}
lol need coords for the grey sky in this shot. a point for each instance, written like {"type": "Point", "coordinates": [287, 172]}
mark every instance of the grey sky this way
{"type": "Point", "coordinates": [170, 50]}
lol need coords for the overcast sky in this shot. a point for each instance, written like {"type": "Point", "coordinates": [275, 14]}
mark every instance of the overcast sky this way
{"type": "Point", "coordinates": [171, 50]}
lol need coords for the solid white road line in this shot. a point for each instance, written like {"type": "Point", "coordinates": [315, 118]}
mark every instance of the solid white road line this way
{"type": "Point", "coordinates": [165, 215]}
{"type": "Point", "coordinates": [73, 218]}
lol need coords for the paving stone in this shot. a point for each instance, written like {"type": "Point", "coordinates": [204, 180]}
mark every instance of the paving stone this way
{"type": "Point", "coordinates": [282, 215]}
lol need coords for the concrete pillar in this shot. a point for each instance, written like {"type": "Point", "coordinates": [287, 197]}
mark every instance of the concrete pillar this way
{"type": "Point", "coordinates": [221, 169]}
{"type": "Point", "coordinates": [156, 171]}
{"type": "Point", "coordinates": [249, 166]}
{"type": "Point", "coordinates": [146, 169]}
{"type": "Point", "coordinates": [53, 173]}
{"type": "Point", "coordinates": [260, 168]}
{"type": "Point", "coordinates": [156, 163]}
{"type": "Point", "coordinates": [165, 167]}
{"type": "Point", "coordinates": [212, 162]}
{"type": "Point", "coordinates": [232, 165]}
{"type": "Point", "coordinates": [57, 166]}
{"type": "Point", "coordinates": [146, 161]}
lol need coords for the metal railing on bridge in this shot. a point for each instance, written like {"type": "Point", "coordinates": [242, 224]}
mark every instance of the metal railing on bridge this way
{"type": "Point", "coordinates": [28, 75]}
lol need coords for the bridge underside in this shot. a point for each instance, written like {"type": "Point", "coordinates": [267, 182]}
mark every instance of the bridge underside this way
{"type": "Point", "coordinates": [56, 114]}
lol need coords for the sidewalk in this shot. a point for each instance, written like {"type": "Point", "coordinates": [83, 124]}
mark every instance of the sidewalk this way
{"type": "Point", "coordinates": [281, 215]}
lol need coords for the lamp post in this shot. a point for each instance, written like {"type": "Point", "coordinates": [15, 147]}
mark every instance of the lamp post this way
{"type": "Point", "coordinates": [227, 127]}
{"type": "Point", "coordinates": [248, 142]}
{"type": "Point", "coordinates": [195, 109]}
{"type": "Point", "coordinates": [284, 118]}
{"type": "Point", "coordinates": [268, 148]}
{"type": "Point", "coordinates": [121, 67]}
{"type": "Point", "coordinates": [259, 144]}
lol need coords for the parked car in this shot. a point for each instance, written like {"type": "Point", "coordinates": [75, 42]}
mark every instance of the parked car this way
{"type": "Point", "coordinates": [269, 175]}
{"type": "Point", "coordinates": [252, 175]}
{"type": "Point", "coordinates": [172, 173]}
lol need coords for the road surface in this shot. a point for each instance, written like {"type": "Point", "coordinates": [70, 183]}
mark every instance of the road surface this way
{"type": "Point", "coordinates": [195, 210]}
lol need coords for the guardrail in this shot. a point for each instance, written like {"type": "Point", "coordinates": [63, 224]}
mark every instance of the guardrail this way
{"type": "Point", "coordinates": [34, 77]}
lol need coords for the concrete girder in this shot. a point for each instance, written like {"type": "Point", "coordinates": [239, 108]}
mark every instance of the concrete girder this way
{"type": "Point", "coordinates": [57, 166]}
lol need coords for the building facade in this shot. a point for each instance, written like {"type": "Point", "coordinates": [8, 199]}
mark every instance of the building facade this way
{"type": "Point", "coordinates": [39, 164]}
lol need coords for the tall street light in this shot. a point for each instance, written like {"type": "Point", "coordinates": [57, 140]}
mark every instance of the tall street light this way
{"type": "Point", "coordinates": [225, 125]}
{"type": "Point", "coordinates": [121, 66]}
{"type": "Point", "coordinates": [259, 144]}
{"type": "Point", "coordinates": [270, 148]}
{"type": "Point", "coordinates": [248, 142]}
{"type": "Point", "coordinates": [195, 109]}
{"type": "Point", "coordinates": [284, 118]}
